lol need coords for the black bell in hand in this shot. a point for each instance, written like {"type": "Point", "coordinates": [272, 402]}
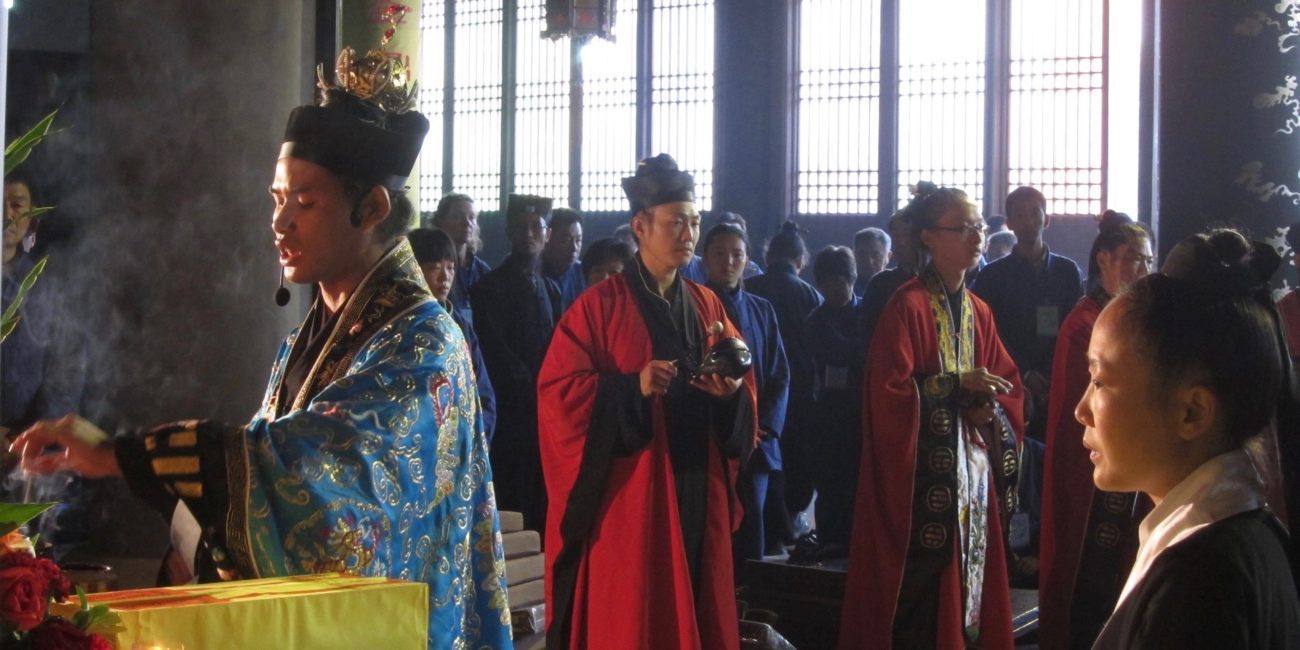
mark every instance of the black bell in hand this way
{"type": "Point", "coordinates": [729, 357]}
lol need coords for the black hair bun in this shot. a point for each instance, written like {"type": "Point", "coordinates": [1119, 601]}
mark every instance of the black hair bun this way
{"type": "Point", "coordinates": [1223, 264]}
{"type": "Point", "coordinates": [790, 228]}
{"type": "Point", "coordinates": [1112, 219]}
{"type": "Point", "coordinates": [923, 189]}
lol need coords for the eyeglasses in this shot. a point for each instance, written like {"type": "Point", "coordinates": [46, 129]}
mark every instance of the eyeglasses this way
{"type": "Point", "coordinates": [965, 230]}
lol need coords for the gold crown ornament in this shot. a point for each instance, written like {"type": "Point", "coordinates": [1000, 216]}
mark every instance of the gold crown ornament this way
{"type": "Point", "coordinates": [380, 77]}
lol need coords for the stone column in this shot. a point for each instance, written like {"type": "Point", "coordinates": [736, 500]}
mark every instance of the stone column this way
{"type": "Point", "coordinates": [173, 278]}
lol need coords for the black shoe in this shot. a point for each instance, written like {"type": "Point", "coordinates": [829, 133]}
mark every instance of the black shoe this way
{"type": "Point", "coordinates": [805, 550]}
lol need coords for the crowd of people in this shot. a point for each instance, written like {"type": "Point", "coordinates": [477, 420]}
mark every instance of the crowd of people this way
{"type": "Point", "coordinates": [918, 399]}
{"type": "Point", "coordinates": [957, 418]}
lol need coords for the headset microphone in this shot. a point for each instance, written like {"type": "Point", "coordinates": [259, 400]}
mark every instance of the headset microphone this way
{"type": "Point", "coordinates": [282, 294]}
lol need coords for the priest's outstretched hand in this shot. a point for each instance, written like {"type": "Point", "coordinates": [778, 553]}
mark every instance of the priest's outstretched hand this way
{"type": "Point", "coordinates": [70, 443]}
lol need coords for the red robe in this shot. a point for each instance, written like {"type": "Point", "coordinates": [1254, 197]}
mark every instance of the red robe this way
{"type": "Point", "coordinates": [633, 588]}
{"type": "Point", "coordinates": [904, 346]}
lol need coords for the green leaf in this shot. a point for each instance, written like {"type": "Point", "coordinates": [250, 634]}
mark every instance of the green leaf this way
{"type": "Point", "coordinates": [31, 214]}
{"type": "Point", "coordinates": [13, 515]}
{"type": "Point", "coordinates": [20, 149]}
{"type": "Point", "coordinates": [36, 212]}
{"type": "Point", "coordinates": [102, 620]}
{"type": "Point", "coordinates": [81, 598]}
{"type": "Point", "coordinates": [7, 327]}
{"type": "Point", "coordinates": [9, 320]}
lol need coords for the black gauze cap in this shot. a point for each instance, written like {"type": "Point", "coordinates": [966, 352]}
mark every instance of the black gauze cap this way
{"type": "Point", "coordinates": [521, 204]}
{"type": "Point", "coordinates": [356, 139]}
{"type": "Point", "coordinates": [658, 181]}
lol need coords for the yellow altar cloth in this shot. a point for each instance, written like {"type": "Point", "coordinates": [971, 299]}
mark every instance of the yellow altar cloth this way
{"type": "Point", "coordinates": [315, 612]}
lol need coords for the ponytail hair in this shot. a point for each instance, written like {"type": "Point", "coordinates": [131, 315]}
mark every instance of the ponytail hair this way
{"type": "Point", "coordinates": [787, 246]}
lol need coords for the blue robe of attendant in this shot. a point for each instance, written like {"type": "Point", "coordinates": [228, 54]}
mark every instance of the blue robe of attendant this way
{"type": "Point", "coordinates": [1029, 303]}
{"type": "Point", "coordinates": [571, 280]}
{"type": "Point", "coordinates": [515, 311]}
{"type": "Point", "coordinates": [696, 272]}
{"type": "Point", "coordinates": [837, 339]}
{"type": "Point", "coordinates": [756, 320]}
{"type": "Point", "coordinates": [487, 397]}
{"type": "Point", "coordinates": [376, 465]}
{"type": "Point", "coordinates": [793, 299]}
{"type": "Point", "coordinates": [1030, 300]}
{"type": "Point", "coordinates": [466, 277]}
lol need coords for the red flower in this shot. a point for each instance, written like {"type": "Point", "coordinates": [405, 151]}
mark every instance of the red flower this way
{"type": "Point", "coordinates": [58, 634]}
{"type": "Point", "coordinates": [59, 587]}
{"type": "Point", "coordinates": [96, 642]}
{"type": "Point", "coordinates": [23, 595]}
{"type": "Point", "coordinates": [17, 559]}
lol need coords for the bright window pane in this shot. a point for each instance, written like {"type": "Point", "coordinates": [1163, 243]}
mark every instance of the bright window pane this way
{"type": "Point", "coordinates": [431, 81]}
{"type": "Point", "coordinates": [941, 95]}
{"type": "Point", "coordinates": [681, 121]}
{"type": "Point", "coordinates": [609, 114]}
{"type": "Point", "coordinates": [476, 167]}
{"type": "Point", "coordinates": [837, 170]}
{"type": "Point", "coordinates": [541, 108]}
{"type": "Point", "coordinates": [1058, 127]}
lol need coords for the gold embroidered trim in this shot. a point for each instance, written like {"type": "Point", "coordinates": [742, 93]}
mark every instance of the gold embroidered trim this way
{"type": "Point", "coordinates": [186, 438]}
{"type": "Point", "coordinates": [171, 466]}
{"type": "Point", "coordinates": [237, 481]}
{"type": "Point", "coordinates": [950, 359]}
{"type": "Point", "coordinates": [365, 313]}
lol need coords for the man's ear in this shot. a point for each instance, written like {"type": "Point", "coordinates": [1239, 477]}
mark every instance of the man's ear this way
{"type": "Point", "coordinates": [374, 207]}
{"type": "Point", "coordinates": [1197, 411]}
{"type": "Point", "coordinates": [640, 225]}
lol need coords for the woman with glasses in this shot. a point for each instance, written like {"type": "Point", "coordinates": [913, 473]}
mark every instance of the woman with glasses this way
{"type": "Point", "coordinates": [1089, 536]}
{"type": "Point", "coordinates": [942, 422]}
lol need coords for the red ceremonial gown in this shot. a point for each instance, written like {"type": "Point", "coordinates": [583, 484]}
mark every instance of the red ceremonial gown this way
{"type": "Point", "coordinates": [617, 570]}
{"type": "Point", "coordinates": [905, 351]}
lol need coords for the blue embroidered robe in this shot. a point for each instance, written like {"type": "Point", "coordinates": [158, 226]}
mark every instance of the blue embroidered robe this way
{"type": "Point", "coordinates": [377, 466]}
